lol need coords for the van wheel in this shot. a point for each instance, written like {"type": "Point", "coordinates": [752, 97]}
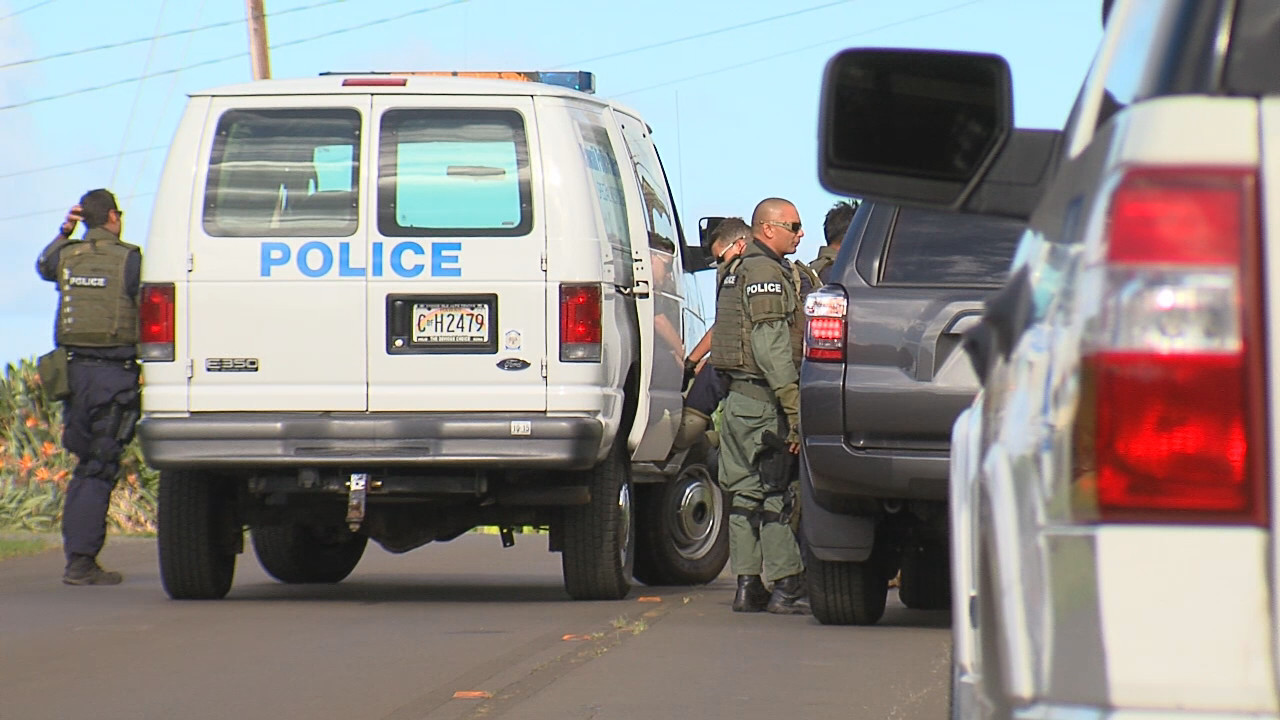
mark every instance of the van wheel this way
{"type": "Point", "coordinates": [846, 593]}
{"type": "Point", "coordinates": [599, 537]}
{"type": "Point", "coordinates": [299, 553]}
{"type": "Point", "coordinates": [926, 576]}
{"type": "Point", "coordinates": [197, 534]}
{"type": "Point", "coordinates": [682, 536]}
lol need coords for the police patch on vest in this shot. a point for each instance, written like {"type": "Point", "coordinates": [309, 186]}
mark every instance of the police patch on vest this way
{"type": "Point", "coordinates": [764, 288]}
{"type": "Point", "coordinates": [87, 281]}
{"type": "Point", "coordinates": [730, 280]}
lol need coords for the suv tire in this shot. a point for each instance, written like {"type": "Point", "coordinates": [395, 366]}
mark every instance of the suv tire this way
{"type": "Point", "coordinates": [846, 593]}
{"type": "Point", "coordinates": [600, 537]}
{"type": "Point", "coordinates": [299, 553]}
{"type": "Point", "coordinates": [926, 576]}
{"type": "Point", "coordinates": [196, 528]}
{"type": "Point", "coordinates": [683, 526]}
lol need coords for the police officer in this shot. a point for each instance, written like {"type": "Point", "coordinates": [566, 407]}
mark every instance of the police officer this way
{"type": "Point", "coordinates": [834, 226]}
{"type": "Point", "coordinates": [97, 325]}
{"type": "Point", "coordinates": [757, 341]}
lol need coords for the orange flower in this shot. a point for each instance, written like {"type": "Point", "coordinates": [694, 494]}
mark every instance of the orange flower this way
{"type": "Point", "coordinates": [26, 462]}
{"type": "Point", "coordinates": [60, 477]}
{"type": "Point", "coordinates": [48, 448]}
{"type": "Point", "coordinates": [31, 421]}
{"type": "Point", "coordinates": [42, 473]}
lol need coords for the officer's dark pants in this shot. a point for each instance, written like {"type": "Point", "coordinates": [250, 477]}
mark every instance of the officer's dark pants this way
{"type": "Point", "coordinates": [100, 415]}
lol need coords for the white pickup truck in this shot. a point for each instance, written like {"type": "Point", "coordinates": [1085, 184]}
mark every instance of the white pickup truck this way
{"type": "Point", "coordinates": [1113, 485]}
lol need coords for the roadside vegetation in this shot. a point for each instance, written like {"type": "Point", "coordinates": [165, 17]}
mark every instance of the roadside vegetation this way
{"type": "Point", "coordinates": [35, 468]}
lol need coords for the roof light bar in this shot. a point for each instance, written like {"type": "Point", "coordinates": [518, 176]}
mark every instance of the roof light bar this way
{"type": "Point", "coordinates": [579, 80]}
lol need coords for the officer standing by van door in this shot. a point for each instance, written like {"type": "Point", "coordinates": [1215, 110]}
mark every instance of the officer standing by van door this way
{"type": "Point", "coordinates": [758, 340]}
{"type": "Point", "coordinates": [834, 227]}
{"type": "Point", "coordinates": [96, 332]}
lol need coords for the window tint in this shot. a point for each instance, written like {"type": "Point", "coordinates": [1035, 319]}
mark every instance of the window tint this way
{"type": "Point", "coordinates": [453, 172]}
{"type": "Point", "coordinates": [606, 178]}
{"type": "Point", "coordinates": [284, 173]}
{"type": "Point", "coordinates": [940, 248]}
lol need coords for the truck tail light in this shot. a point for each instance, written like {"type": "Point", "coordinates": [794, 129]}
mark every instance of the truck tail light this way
{"type": "Point", "coordinates": [580, 322]}
{"type": "Point", "coordinates": [155, 320]}
{"type": "Point", "coordinates": [1171, 425]}
{"type": "Point", "coordinates": [824, 333]}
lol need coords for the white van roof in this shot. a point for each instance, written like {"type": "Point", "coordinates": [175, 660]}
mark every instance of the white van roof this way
{"type": "Point", "coordinates": [413, 85]}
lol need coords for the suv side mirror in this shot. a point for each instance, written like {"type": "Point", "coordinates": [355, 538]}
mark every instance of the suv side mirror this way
{"type": "Point", "coordinates": [914, 127]}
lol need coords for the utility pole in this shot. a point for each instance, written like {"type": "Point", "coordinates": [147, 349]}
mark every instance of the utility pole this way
{"type": "Point", "coordinates": [258, 40]}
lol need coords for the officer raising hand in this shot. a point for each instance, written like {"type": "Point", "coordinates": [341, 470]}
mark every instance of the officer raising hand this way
{"type": "Point", "coordinates": [758, 341]}
{"type": "Point", "coordinates": [96, 333]}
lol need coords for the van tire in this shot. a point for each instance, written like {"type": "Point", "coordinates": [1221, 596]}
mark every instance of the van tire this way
{"type": "Point", "coordinates": [195, 526]}
{"type": "Point", "coordinates": [926, 576]}
{"type": "Point", "coordinates": [297, 553]}
{"type": "Point", "coordinates": [600, 537]}
{"type": "Point", "coordinates": [682, 533]}
{"type": "Point", "coordinates": [846, 593]}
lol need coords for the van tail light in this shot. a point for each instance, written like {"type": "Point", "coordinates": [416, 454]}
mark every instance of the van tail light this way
{"type": "Point", "coordinates": [1171, 426]}
{"type": "Point", "coordinates": [824, 332]}
{"type": "Point", "coordinates": [155, 320]}
{"type": "Point", "coordinates": [580, 326]}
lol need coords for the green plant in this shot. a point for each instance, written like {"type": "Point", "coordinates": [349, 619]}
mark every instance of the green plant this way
{"type": "Point", "coordinates": [35, 468]}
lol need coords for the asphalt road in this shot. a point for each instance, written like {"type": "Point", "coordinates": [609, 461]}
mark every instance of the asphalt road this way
{"type": "Point", "coordinates": [463, 629]}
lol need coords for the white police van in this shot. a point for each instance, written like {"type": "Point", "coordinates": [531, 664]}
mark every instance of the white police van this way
{"type": "Point", "coordinates": [400, 306]}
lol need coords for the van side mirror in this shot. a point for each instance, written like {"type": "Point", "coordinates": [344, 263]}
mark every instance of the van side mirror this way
{"type": "Point", "coordinates": [917, 127]}
{"type": "Point", "coordinates": [705, 226]}
{"type": "Point", "coordinates": [698, 258]}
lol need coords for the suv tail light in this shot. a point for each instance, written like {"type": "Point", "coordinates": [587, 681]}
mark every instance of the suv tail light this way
{"type": "Point", "coordinates": [580, 329]}
{"type": "Point", "coordinates": [824, 332]}
{"type": "Point", "coordinates": [1171, 422]}
{"type": "Point", "coordinates": [155, 322]}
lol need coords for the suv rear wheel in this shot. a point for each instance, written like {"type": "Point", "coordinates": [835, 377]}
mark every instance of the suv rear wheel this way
{"type": "Point", "coordinates": [846, 593]}
{"type": "Point", "coordinates": [198, 535]}
{"type": "Point", "coordinates": [600, 537]}
{"type": "Point", "coordinates": [683, 532]}
{"type": "Point", "coordinates": [299, 553]}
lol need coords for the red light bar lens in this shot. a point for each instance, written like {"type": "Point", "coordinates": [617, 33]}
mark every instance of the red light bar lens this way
{"type": "Point", "coordinates": [376, 82]}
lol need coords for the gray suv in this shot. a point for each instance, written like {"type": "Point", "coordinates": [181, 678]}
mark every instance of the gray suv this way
{"type": "Point", "coordinates": [883, 379]}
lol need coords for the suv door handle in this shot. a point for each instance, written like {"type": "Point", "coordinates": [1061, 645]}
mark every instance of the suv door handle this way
{"type": "Point", "coordinates": [640, 290]}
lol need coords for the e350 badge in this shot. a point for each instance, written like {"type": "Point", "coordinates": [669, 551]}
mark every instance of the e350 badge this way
{"type": "Point", "coordinates": [231, 364]}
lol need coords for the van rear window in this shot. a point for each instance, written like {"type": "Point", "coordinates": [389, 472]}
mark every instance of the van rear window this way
{"type": "Point", "coordinates": [284, 173]}
{"type": "Point", "coordinates": [453, 172]}
{"type": "Point", "coordinates": [929, 247]}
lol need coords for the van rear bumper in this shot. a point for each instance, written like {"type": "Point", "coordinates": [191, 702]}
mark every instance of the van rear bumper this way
{"type": "Point", "coordinates": [473, 440]}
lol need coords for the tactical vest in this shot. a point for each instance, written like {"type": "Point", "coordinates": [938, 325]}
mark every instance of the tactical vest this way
{"type": "Point", "coordinates": [821, 264]}
{"type": "Point", "coordinates": [731, 335]}
{"type": "Point", "coordinates": [94, 306]}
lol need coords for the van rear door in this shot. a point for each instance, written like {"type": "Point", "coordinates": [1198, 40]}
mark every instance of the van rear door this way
{"type": "Point", "coordinates": [456, 296]}
{"type": "Point", "coordinates": [276, 315]}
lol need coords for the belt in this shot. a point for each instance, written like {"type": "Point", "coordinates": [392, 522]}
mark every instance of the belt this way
{"type": "Point", "coordinates": [754, 388]}
{"type": "Point", "coordinates": [127, 364]}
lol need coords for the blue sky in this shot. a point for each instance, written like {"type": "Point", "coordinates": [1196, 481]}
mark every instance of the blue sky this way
{"type": "Point", "coordinates": [730, 87]}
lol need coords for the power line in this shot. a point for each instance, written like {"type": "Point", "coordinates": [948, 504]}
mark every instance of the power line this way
{"type": "Point", "coordinates": [81, 161]}
{"type": "Point", "coordinates": [63, 209]}
{"type": "Point", "coordinates": [215, 61]}
{"type": "Point", "coordinates": [16, 13]}
{"type": "Point", "coordinates": [707, 33]}
{"type": "Point", "coordinates": [137, 94]}
{"type": "Point", "coordinates": [797, 50]}
{"type": "Point", "coordinates": [161, 36]}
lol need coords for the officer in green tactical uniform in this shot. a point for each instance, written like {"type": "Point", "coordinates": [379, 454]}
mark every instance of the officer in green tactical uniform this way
{"type": "Point", "coordinates": [834, 226]}
{"type": "Point", "coordinates": [96, 333]}
{"type": "Point", "coordinates": [757, 341]}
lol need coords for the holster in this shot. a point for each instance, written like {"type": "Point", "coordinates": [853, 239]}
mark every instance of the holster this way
{"type": "Point", "coordinates": [776, 463]}
{"type": "Point", "coordinates": [52, 369]}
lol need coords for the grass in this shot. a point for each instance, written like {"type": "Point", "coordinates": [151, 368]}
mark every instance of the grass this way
{"type": "Point", "coordinates": [14, 547]}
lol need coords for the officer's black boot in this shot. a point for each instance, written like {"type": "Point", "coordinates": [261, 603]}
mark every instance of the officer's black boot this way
{"type": "Point", "coordinates": [751, 595]}
{"type": "Point", "coordinates": [790, 596]}
{"type": "Point", "coordinates": [84, 570]}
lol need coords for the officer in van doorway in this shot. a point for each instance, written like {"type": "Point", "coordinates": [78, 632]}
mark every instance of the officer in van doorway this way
{"type": "Point", "coordinates": [834, 227]}
{"type": "Point", "coordinates": [96, 333]}
{"type": "Point", "coordinates": [757, 340]}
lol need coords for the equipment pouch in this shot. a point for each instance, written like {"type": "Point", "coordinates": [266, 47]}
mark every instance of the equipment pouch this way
{"type": "Point", "coordinates": [52, 369]}
{"type": "Point", "coordinates": [776, 463]}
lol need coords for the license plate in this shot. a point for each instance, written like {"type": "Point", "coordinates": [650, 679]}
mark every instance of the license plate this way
{"type": "Point", "coordinates": [450, 323]}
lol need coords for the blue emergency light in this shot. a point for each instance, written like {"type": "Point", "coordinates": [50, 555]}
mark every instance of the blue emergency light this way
{"type": "Point", "coordinates": [579, 80]}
